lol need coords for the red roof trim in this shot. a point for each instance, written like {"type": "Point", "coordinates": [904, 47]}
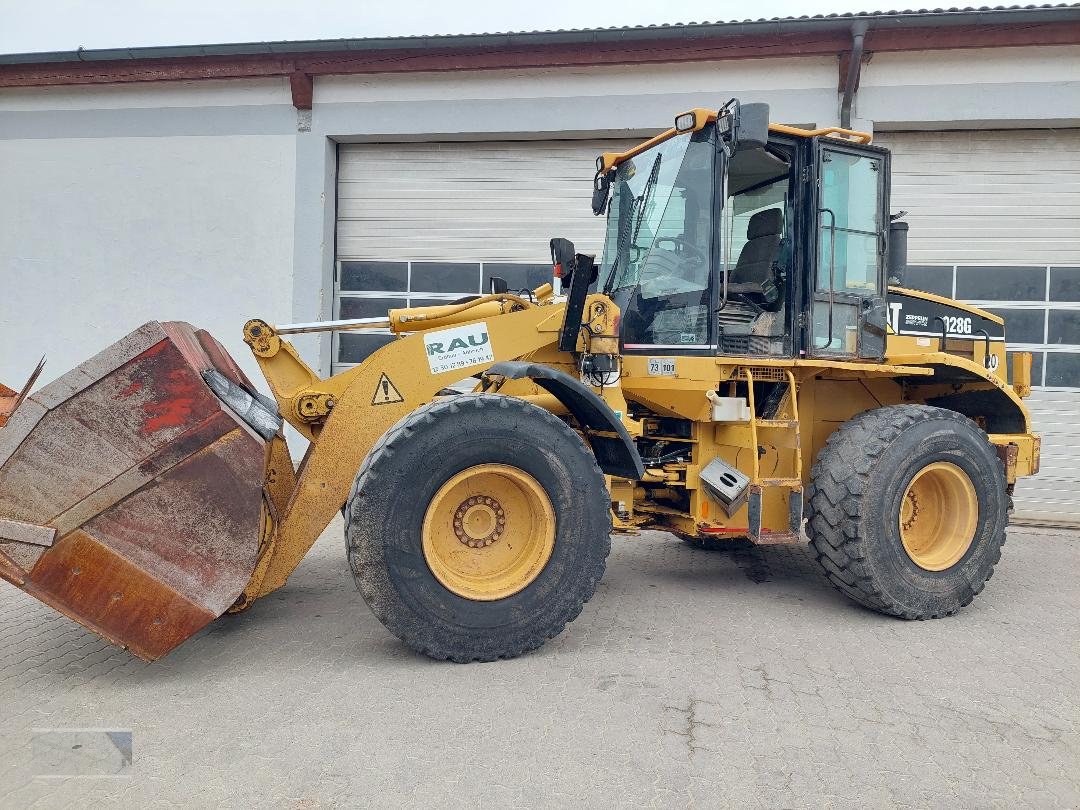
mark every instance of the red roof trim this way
{"type": "Point", "coordinates": [690, 49]}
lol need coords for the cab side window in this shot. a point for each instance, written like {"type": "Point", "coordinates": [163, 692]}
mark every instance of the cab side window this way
{"type": "Point", "coordinates": [850, 213]}
{"type": "Point", "coordinates": [849, 247]}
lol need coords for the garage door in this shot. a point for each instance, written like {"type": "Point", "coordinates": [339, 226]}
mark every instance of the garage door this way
{"type": "Point", "coordinates": [995, 220]}
{"type": "Point", "coordinates": [430, 222]}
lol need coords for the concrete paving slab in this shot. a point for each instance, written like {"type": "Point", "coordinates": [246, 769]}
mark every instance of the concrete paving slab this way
{"type": "Point", "coordinates": [737, 678]}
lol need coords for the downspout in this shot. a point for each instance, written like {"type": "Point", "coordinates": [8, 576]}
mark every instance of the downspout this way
{"type": "Point", "coordinates": [858, 35]}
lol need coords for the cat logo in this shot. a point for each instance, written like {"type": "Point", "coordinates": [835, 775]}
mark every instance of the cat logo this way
{"type": "Point", "coordinates": [895, 308]}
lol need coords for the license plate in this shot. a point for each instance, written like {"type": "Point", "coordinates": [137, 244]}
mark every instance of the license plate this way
{"type": "Point", "coordinates": [661, 367]}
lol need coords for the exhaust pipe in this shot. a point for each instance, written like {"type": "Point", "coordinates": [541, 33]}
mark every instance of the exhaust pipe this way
{"type": "Point", "coordinates": [898, 236]}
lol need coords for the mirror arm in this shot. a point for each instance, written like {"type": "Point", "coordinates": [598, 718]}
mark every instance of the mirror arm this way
{"type": "Point", "coordinates": [601, 192]}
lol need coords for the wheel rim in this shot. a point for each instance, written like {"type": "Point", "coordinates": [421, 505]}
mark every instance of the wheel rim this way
{"type": "Point", "coordinates": [488, 532]}
{"type": "Point", "coordinates": [938, 516]}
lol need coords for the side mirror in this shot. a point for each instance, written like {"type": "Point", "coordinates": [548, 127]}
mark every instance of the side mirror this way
{"type": "Point", "coordinates": [498, 285]}
{"type": "Point", "coordinates": [601, 187]}
{"type": "Point", "coordinates": [752, 127]}
{"type": "Point", "coordinates": [743, 126]}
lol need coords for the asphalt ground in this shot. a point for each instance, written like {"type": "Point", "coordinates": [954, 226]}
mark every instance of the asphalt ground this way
{"type": "Point", "coordinates": [737, 678]}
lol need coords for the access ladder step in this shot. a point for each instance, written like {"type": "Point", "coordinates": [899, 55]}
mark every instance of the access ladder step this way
{"type": "Point", "coordinates": [793, 483]}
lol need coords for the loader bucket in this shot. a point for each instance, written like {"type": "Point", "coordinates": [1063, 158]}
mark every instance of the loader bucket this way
{"type": "Point", "coordinates": [11, 399]}
{"type": "Point", "coordinates": [131, 497]}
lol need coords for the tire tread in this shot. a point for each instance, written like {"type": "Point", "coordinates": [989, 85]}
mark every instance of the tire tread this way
{"type": "Point", "coordinates": [837, 494]}
{"type": "Point", "coordinates": [374, 587]}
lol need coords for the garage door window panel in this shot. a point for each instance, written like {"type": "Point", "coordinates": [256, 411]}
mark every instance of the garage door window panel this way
{"type": "Point", "coordinates": [351, 307]}
{"type": "Point", "coordinates": [518, 276]}
{"type": "Point", "coordinates": [1064, 327]}
{"type": "Point", "coordinates": [1062, 370]}
{"type": "Point", "coordinates": [381, 276]}
{"type": "Point", "coordinates": [1065, 284]}
{"type": "Point", "coordinates": [929, 278]}
{"type": "Point", "coordinates": [1001, 283]}
{"type": "Point", "coordinates": [1023, 325]}
{"type": "Point", "coordinates": [369, 288]}
{"type": "Point", "coordinates": [445, 277]}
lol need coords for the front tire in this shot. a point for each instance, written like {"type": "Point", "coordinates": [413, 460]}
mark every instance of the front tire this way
{"type": "Point", "coordinates": [478, 527]}
{"type": "Point", "coordinates": [907, 510]}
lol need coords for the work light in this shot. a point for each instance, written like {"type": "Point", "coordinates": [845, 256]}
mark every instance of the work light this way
{"type": "Point", "coordinates": [685, 122]}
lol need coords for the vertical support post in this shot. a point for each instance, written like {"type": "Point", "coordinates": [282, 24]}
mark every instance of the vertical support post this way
{"type": "Point", "coordinates": [753, 422]}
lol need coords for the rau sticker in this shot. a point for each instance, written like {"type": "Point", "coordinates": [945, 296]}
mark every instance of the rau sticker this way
{"type": "Point", "coordinates": [460, 347]}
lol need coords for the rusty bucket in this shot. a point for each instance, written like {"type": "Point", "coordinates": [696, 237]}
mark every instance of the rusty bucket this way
{"type": "Point", "coordinates": [131, 497]}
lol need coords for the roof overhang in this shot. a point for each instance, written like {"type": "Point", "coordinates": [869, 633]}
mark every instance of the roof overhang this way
{"type": "Point", "coordinates": [783, 37]}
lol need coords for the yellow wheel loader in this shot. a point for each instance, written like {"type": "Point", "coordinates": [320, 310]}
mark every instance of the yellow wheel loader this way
{"type": "Point", "coordinates": [736, 366]}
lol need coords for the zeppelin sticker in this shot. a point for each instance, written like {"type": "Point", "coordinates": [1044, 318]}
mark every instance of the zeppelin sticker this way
{"type": "Point", "coordinates": [460, 347]}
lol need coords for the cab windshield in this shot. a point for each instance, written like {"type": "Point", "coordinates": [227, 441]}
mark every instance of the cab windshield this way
{"type": "Point", "coordinates": [656, 250]}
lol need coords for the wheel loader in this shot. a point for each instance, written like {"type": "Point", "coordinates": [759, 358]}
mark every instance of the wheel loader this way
{"type": "Point", "coordinates": [743, 362]}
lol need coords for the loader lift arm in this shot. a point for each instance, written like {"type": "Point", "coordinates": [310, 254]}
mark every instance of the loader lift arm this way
{"type": "Point", "coordinates": [345, 415]}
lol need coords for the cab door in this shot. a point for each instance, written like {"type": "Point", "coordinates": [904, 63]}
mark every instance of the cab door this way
{"type": "Point", "coordinates": [848, 315]}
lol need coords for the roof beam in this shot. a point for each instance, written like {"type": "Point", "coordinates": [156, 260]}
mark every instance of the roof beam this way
{"type": "Point", "coordinates": [302, 89]}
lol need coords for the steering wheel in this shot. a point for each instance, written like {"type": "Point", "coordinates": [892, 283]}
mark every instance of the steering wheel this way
{"type": "Point", "coordinates": [683, 247]}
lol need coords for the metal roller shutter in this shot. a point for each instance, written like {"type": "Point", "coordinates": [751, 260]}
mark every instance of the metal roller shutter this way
{"type": "Point", "coordinates": [995, 220]}
{"type": "Point", "coordinates": [422, 223]}
{"type": "Point", "coordinates": [488, 200]}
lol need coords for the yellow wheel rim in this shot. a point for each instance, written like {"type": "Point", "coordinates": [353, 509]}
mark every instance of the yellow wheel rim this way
{"type": "Point", "coordinates": [938, 516]}
{"type": "Point", "coordinates": [488, 532]}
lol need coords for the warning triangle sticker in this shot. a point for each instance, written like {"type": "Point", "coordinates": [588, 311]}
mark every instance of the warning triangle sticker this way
{"type": "Point", "coordinates": [385, 392]}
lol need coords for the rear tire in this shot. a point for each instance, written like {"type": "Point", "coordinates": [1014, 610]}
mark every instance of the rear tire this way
{"type": "Point", "coordinates": [864, 518]}
{"type": "Point", "coordinates": [520, 465]}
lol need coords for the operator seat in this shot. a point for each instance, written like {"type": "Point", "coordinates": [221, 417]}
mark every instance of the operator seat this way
{"type": "Point", "coordinates": [754, 274]}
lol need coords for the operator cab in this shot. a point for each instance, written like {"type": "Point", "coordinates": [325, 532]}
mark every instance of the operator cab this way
{"type": "Point", "coordinates": [719, 238]}
{"type": "Point", "coordinates": [658, 248]}
{"type": "Point", "coordinates": [754, 304]}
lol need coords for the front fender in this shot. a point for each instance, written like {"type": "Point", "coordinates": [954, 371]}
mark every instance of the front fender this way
{"type": "Point", "coordinates": [615, 451]}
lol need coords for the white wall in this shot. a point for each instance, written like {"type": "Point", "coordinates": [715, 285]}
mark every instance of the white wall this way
{"type": "Point", "coordinates": [98, 235]}
{"type": "Point", "coordinates": [144, 95]}
{"type": "Point", "coordinates": [565, 102]}
{"type": "Point", "coordinates": [805, 73]}
{"type": "Point", "coordinates": [972, 88]}
{"type": "Point", "coordinates": [143, 201]}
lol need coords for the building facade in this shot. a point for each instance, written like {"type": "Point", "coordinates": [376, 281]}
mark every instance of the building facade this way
{"type": "Point", "coordinates": [310, 181]}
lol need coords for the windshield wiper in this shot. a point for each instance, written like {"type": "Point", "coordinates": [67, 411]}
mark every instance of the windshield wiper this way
{"type": "Point", "coordinates": [646, 196]}
{"type": "Point", "coordinates": [637, 217]}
